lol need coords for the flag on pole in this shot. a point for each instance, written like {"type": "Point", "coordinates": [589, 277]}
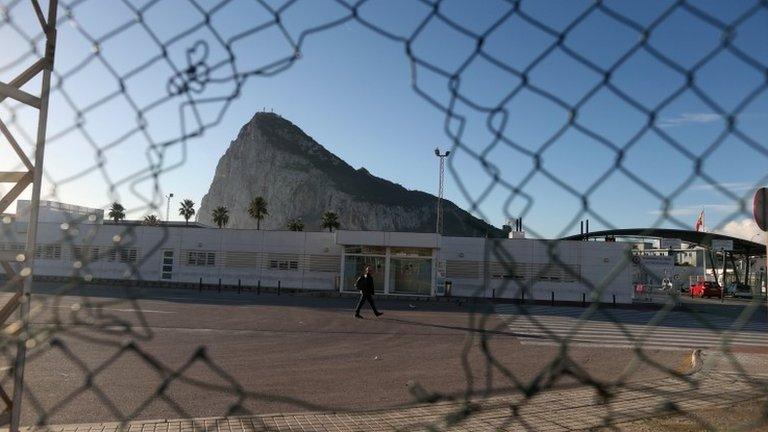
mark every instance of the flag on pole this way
{"type": "Point", "coordinates": [699, 226]}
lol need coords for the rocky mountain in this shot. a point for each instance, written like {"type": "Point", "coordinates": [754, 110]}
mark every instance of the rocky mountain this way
{"type": "Point", "coordinates": [273, 158]}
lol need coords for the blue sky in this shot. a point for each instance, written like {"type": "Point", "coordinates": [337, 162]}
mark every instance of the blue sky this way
{"type": "Point", "coordinates": [351, 90]}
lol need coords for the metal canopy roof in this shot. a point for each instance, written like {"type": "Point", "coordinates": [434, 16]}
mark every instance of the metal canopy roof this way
{"type": "Point", "coordinates": [740, 246]}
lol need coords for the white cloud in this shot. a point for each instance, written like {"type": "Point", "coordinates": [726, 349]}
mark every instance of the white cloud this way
{"type": "Point", "coordinates": [744, 228]}
{"type": "Point", "coordinates": [689, 118]}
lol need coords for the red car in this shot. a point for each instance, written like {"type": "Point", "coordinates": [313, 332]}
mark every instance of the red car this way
{"type": "Point", "coordinates": [706, 290]}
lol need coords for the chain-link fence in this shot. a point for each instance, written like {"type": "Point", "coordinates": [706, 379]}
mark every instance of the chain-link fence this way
{"type": "Point", "coordinates": [183, 76]}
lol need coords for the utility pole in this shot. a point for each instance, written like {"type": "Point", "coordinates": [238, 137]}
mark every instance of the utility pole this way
{"type": "Point", "coordinates": [168, 207]}
{"type": "Point", "coordinates": [441, 156]}
{"type": "Point", "coordinates": [33, 175]}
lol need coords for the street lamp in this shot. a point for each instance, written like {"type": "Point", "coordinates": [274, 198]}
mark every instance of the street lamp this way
{"type": "Point", "coordinates": [168, 206]}
{"type": "Point", "coordinates": [439, 225]}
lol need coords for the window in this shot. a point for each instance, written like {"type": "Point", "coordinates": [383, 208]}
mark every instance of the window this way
{"type": "Point", "coordinates": [410, 251]}
{"type": "Point", "coordinates": [123, 255]}
{"type": "Point", "coordinates": [167, 268]}
{"type": "Point", "coordinates": [48, 252]}
{"type": "Point", "coordinates": [94, 254]}
{"type": "Point", "coordinates": [366, 250]}
{"type": "Point", "coordinates": [200, 258]}
{"type": "Point", "coordinates": [127, 255]}
{"type": "Point", "coordinates": [283, 264]}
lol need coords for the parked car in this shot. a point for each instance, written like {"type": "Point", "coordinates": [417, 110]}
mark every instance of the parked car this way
{"type": "Point", "coordinates": [739, 290]}
{"type": "Point", "coordinates": [706, 290]}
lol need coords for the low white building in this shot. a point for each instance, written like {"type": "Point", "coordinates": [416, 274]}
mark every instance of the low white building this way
{"type": "Point", "coordinates": [417, 264]}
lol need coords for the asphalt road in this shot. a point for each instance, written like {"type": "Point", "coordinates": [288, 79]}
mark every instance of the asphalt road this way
{"type": "Point", "coordinates": [102, 356]}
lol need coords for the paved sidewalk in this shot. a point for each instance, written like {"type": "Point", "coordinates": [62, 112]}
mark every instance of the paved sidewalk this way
{"type": "Point", "coordinates": [566, 410]}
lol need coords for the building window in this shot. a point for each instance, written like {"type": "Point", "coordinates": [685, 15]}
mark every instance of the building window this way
{"type": "Point", "coordinates": [196, 258]}
{"type": "Point", "coordinates": [123, 255]}
{"type": "Point", "coordinates": [48, 252]}
{"type": "Point", "coordinates": [366, 250]}
{"type": "Point", "coordinates": [283, 264]}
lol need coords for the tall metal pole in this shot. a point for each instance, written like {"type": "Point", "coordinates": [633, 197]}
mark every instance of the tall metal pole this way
{"type": "Point", "coordinates": [440, 189]}
{"type": "Point", "coordinates": [168, 207]}
{"type": "Point", "coordinates": [49, 26]}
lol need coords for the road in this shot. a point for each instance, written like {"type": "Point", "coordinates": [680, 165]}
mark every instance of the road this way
{"type": "Point", "coordinates": [102, 355]}
{"type": "Point", "coordinates": [628, 328]}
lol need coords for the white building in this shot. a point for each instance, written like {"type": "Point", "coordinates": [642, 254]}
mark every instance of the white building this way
{"type": "Point", "coordinates": [417, 264]}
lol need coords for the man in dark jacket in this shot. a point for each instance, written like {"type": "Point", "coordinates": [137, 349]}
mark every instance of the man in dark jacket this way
{"type": "Point", "coordinates": [365, 285]}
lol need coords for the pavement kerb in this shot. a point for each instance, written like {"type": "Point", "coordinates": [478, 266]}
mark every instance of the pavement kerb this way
{"type": "Point", "coordinates": [650, 400]}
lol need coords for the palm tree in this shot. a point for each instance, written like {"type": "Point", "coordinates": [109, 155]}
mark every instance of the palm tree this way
{"type": "Point", "coordinates": [117, 212]}
{"type": "Point", "coordinates": [187, 209]}
{"type": "Point", "coordinates": [151, 220]}
{"type": "Point", "coordinates": [330, 221]}
{"type": "Point", "coordinates": [220, 216]}
{"type": "Point", "coordinates": [295, 224]}
{"type": "Point", "coordinates": [258, 209]}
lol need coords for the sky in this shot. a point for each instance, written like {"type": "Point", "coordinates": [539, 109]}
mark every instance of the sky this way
{"type": "Point", "coordinates": [357, 92]}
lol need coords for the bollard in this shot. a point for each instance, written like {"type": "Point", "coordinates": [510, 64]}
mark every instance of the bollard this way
{"type": "Point", "coordinates": [493, 294]}
{"type": "Point", "coordinates": [278, 287]}
{"type": "Point", "coordinates": [553, 298]}
{"type": "Point", "coordinates": [583, 299]}
{"type": "Point", "coordinates": [200, 285]}
{"type": "Point", "coordinates": [239, 286]}
{"type": "Point", "coordinates": [614, 300]}
{"type": "Point", "coordinates": [219, 284]}
{"type": "Point", "coordinates": [258, 287]}
{"type": "Point", "coordinates": [522, 296]}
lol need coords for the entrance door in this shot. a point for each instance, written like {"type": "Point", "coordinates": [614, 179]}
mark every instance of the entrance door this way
{"type": "Point", "coordinates": [410, 276]}
{"type": "Point", "coordinates": [354, 265]}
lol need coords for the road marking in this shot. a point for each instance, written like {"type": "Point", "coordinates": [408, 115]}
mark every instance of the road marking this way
{"type": "Point", "coordinates": [541, 325]}
{"type": "Point", "coordinates": [111, 309]}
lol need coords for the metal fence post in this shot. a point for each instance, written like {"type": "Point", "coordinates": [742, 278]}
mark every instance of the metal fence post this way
{"type": "Point", "coordinates": [34, 175]}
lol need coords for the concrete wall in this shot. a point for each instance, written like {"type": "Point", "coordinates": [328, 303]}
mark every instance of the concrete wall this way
{"type": "Point", "coordinates": [536, 269]}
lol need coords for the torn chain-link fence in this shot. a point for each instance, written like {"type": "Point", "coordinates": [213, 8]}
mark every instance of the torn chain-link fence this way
{"type": "Point", "coordinates": [161, 96]}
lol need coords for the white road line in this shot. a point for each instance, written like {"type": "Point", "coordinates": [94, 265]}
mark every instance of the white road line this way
{"type": "Point", "coordinates": [549, 326]}
{"type": "Point", "coordinates": [112, 309]}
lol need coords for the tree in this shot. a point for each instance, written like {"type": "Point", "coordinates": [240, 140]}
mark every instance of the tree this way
{"type": "Point", "coordinates": [187, 209]}
{"type": "Point", "coordinates": [151, 220]}
{"type": "Point", "coordinates": [295, 224]}
{"type": "Point", "coordinates": [117, 212]}
{"type": "Point", "coordinates": [258, 209]}
{"type": "Point", "coordinates": [220, 216]}
{"type": "Point", "coordinates": [330, 221]}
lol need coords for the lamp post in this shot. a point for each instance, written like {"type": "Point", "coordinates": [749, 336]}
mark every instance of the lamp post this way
{"type": "Point", "coordinates": [168, 206]}
{"type": "Point", "coordinates": [441, 156]}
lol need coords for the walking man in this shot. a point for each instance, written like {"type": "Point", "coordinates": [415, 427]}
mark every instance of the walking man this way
{"type": "Point", "coordinates": [365, 284]}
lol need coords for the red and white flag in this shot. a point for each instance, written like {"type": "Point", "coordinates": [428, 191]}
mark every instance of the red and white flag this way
{"type": "Point", "coordinates": [699, 226]}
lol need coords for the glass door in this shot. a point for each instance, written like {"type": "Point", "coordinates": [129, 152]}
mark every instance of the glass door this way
{"type": "Point", "coordinates": [410, 276]}
{"type": "Point", "coordinates": [354, 266]}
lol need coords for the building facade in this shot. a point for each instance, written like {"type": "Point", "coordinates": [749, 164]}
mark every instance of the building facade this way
{"type": "Point", "coordinates": [417, 264]}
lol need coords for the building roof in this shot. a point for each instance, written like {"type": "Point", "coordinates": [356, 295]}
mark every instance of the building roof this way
{"type": "Point", "coordinates": [740, 246]}
{"type": "Point", "coordinates": [175, 224]}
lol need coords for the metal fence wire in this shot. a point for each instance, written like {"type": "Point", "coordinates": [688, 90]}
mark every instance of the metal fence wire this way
{"type": "Point", "coordinates": [196, 71]}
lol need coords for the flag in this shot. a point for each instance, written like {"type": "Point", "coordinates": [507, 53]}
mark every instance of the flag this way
{"type": "Point", "coordinates": [699, 226]}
